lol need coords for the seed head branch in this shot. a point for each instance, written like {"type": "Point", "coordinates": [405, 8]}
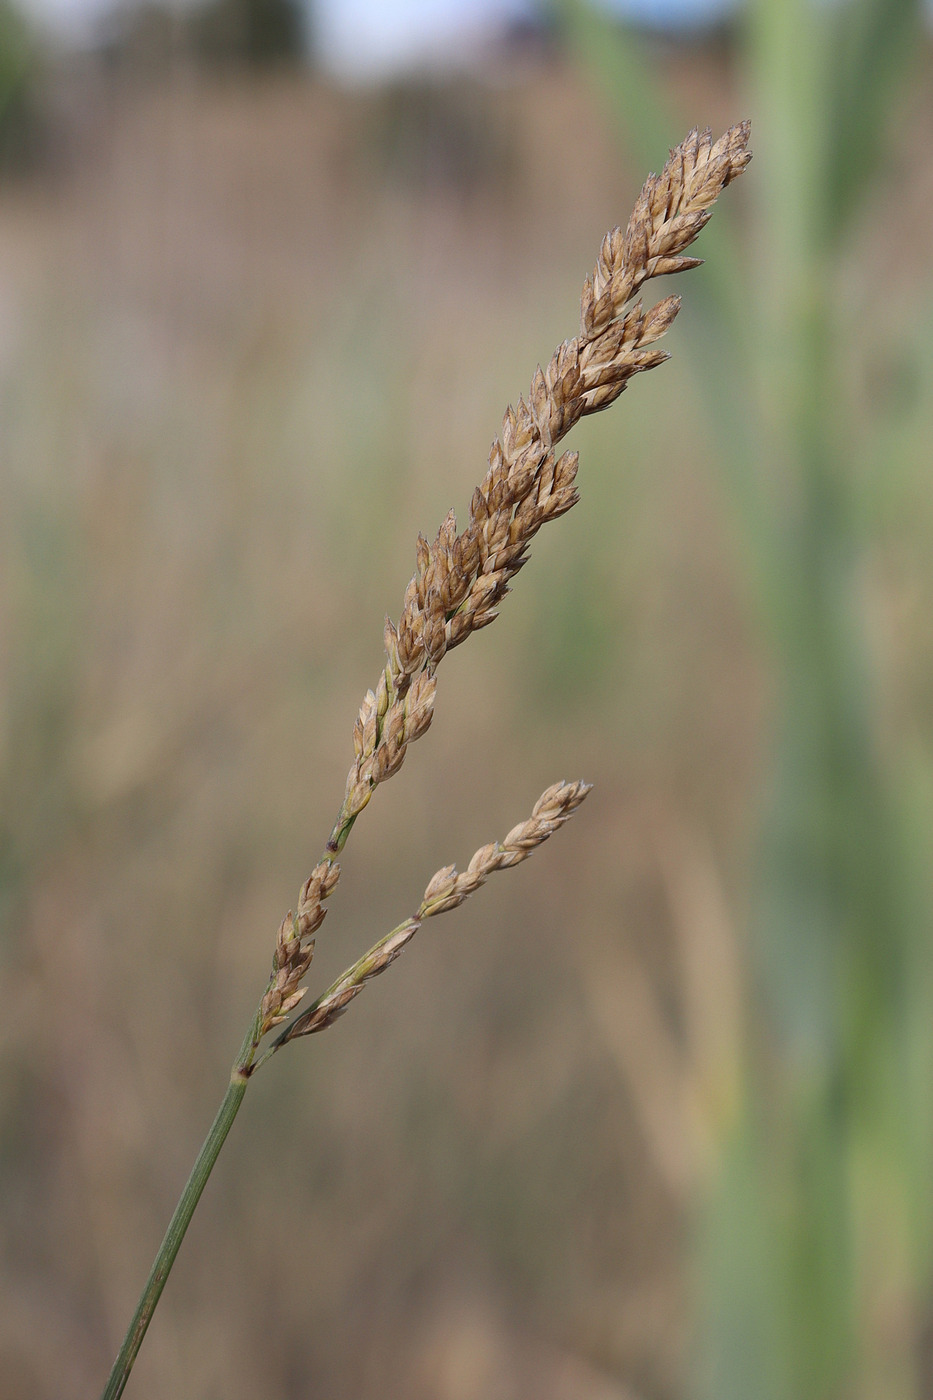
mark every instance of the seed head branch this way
{"type": "Point", "coordinates": [446, 890]}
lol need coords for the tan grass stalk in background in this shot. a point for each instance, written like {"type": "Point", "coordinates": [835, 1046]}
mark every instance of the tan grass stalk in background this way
{"type": "Point", "coordinates": [458, 583]}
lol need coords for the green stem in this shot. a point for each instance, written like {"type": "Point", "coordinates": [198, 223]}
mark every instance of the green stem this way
{"type": "Point", "coordinates": [161, 1268]}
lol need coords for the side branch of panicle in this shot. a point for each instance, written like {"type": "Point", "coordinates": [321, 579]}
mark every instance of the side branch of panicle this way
{"type": "Point", "coordinates": [446, 890]}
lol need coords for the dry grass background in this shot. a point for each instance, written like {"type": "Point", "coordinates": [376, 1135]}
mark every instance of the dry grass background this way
{"type": "Point", "coordinates": [252, 337]}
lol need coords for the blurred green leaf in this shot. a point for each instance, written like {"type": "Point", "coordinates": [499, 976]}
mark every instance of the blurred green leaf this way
{"type": "Point", "coordinates": [828, 1140]}
{"type": "Point", "coordinates": [874, 45]}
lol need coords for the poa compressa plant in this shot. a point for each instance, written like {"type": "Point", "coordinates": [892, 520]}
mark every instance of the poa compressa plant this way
{"type": "Point", "coordinates": [459, 581]}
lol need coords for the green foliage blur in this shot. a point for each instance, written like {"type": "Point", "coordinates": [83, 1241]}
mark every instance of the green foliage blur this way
{"type": "Point", "coordinates": [20, 66]}
{"type": "Point", "coordinates": [815, 1250]}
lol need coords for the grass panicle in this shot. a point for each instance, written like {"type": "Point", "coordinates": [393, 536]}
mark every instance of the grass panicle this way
{"type": "Point", "coordinates": [446, 890]}
{"type": "Point", "coordinates": [460, 579]}
{"type": "Point", "coordinates": [458, 584]}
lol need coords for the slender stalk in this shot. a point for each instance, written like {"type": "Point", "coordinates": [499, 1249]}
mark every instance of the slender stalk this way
{"type": "Point", "coordinates": [204, 1165]}
{"type": "Point", "coordinates": [458, 582]}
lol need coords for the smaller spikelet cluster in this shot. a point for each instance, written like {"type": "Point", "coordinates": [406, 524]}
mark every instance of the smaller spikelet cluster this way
{"type": "Point", "coordinates": [446, 890]}
{"type": "Point", "coordinates": [387, 723]}
{"type": "Point", "coordinates": [670, 212]}
{"type": "Point", "coordinates": [294, 946]}
{"type": "Point", "coordinates": [450, 887]}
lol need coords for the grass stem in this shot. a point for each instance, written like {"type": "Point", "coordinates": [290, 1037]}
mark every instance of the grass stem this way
{"type": "Point", "coordinates": [181, 1219]}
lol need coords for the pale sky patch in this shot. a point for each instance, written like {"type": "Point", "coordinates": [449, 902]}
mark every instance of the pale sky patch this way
{"type": "Point", "coordinates": [370, 39]}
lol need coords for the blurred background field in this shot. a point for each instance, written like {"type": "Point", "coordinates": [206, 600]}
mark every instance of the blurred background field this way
{"type": "Point", "coordinates": [651, 1118]}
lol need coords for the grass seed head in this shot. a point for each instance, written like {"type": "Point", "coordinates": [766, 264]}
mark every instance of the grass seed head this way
{"type": "Point", "coordinates": [461, 578]}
